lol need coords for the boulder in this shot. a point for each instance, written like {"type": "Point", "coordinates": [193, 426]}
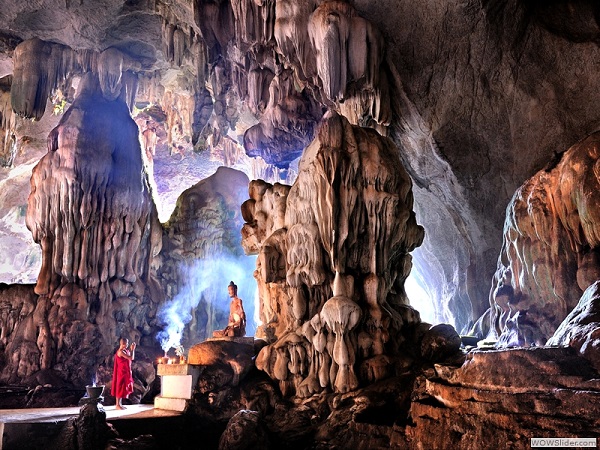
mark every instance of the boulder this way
{"type": "Point", "coordinates": [581, 328]}
{"type": "Point", "coordinates": [245, 431]}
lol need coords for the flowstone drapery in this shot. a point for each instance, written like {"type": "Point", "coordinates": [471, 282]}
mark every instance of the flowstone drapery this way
{"type": "Point", "coordinates": [91, 211]}
{"type": "Point", "coordinates": [551, 249]}
{"type": "Point", "coordinates": [333, 257]}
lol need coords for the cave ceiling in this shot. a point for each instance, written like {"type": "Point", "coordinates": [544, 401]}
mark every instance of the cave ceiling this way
{"type": "Point", "coordinates": [477, 95]}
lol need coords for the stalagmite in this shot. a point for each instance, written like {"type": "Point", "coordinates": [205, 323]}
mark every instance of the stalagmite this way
{"type": "Point", "coordinates": [91, 211]}
{"type": "Point", "coordinates": [348, 229]}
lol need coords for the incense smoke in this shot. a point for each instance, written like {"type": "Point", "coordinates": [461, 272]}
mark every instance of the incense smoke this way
{"type": "Point", "coordinates": [202, 305]}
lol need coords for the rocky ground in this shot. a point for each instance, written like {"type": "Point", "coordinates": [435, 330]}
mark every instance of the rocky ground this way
{"type": "Point", "coordinates": [477, 399]}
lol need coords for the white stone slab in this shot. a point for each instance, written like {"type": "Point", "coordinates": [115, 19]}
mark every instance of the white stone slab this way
{"type": "Point", "coordinates": [176, 386]}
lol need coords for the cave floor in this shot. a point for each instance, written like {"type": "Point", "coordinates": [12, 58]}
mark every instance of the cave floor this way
{"type": "Point", "coordinates": [42, 415]}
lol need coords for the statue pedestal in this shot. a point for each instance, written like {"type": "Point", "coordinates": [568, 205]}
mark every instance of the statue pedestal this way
{"type": "Point", "coordinates": [177, 385]}
{"type": "Point", "coordinates": [247, 340]}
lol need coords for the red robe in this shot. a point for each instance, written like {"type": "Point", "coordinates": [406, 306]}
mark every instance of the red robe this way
{"type": "Point", "coordinates": [122, 382]}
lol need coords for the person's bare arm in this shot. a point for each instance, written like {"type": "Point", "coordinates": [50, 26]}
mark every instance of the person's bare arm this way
{"type": "Point", "coordinates": [125, 355]}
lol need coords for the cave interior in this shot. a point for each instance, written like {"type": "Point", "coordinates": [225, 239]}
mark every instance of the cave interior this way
{"type": "Point", "coordinates": [407, 195]}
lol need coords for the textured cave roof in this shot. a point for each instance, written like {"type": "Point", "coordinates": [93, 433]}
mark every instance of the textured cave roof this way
{"type": "Point", "coordinates": [484, 94]}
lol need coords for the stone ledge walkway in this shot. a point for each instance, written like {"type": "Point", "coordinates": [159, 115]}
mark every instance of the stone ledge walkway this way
{"type": "Point", "coordinates": [45, 415]}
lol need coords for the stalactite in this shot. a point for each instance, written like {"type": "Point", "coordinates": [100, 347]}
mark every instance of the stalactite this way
{"type": "Point", "coordinates": [129, 89]}
{"type": "Point", "coordinates": [203, 108]}
{"type": "Point", "coordinates": [39, 67]}
{"type": "Point", "coordinates": [254, 21]}
{"type": "Point", "coordinates": [168, 32]}
{"type": "Point", "coordinates": [179, 46]}
{"type": "Point", "coordinates": [259, 80]}
{"type": "Point", "coordinates": [349, 53]}
{"type": "Point", "coordinates": [291, 34]}
{"type": "Point", "coordinates": [149, 88]}
{"type": "Point", "coordinates": [179, 108]}
{"type": "Point", "coordinates": [215, 19]}
{"type": "Point", "coordinates": [287, 125]}
{"type": "Point", "coordinates": [43, 67]}
{"type": "Point", "coordinates": [8, 144]}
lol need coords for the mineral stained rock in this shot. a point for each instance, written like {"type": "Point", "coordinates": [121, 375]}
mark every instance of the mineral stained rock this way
{"type": "Point", "coordinates": [551, 247]}
{"type": "Point", "coordinates": [333, 256]}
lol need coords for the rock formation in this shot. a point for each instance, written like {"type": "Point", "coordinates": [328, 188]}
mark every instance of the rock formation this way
{"type": "Point", "coordinates": [333, 257]}
{"type": "Point", "coordinates": [92, 214]}
{"type": "Point", "coordinates": [286, 127]}
{"type": "Point", "coordinates": [287, 60]}
{"type": "Point", "coordinates": [464, 126]}
{"type": "Point", "coordinates": [476, 96]}
{"type": "Point", "coordinates": [505, 396]}
{"type": "Point", "coordinates": [550, 251]}
{"type": "Point", "coordinates": [8, 142]}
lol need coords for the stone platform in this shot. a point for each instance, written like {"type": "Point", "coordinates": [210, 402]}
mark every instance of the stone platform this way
{"type": "Point", "coordinates": [246, 340]}
{"type": "Point", "coordinates": [24, 428]}
{"type": "Point", "coordinates": [177, 385]}
{"type": "Point", "coordinates": [178, 381]}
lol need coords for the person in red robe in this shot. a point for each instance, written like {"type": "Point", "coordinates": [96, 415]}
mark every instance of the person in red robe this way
{"type": "Point", "coordinates": [122, 381]}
